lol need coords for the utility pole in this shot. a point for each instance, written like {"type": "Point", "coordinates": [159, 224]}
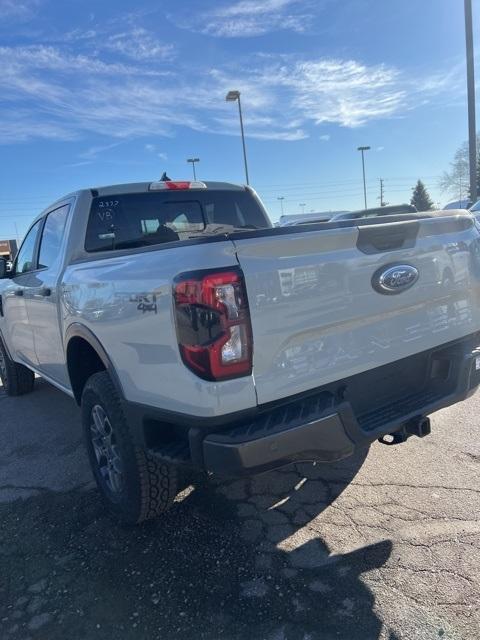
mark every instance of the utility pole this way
{"type": "Point", "coordinates": [362, 150]}
{"type": "Point", "coordinates": [472, 132]}
{"type": "Point", "coordinates": [303, 205]}
{"type": "Point", "coordinates": [281, 198]}
{"type": "Point", "coordinates": [382, 193]}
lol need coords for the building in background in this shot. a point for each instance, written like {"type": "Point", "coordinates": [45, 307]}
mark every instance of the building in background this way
{"type": "Point", "coordinates": [8, 249]}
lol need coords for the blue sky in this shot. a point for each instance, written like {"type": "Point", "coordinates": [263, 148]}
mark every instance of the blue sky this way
{"type": "Point", "coordinates": [94, 93]}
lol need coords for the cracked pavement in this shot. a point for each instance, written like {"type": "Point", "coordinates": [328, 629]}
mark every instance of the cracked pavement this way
{"type": "Point", "coordinates": [381, 546]}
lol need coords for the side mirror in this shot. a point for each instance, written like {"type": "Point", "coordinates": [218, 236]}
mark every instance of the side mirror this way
{"type": "Point", "coordinates": [3, 268]}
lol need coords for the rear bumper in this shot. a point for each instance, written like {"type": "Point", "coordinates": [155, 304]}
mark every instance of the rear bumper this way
{"type": "Point", "coordinates": [254, 448]}
{"type": "Point", "coordinates": [331, 423]}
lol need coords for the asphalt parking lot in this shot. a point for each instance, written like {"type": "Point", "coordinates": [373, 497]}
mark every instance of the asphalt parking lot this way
{"type": "Point", "coordinates": [383, 547]}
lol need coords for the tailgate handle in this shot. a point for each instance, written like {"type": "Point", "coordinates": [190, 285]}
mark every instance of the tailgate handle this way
{"type": "Point", "coordinates": [387, 237]}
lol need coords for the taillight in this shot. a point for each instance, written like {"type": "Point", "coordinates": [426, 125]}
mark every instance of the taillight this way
{"type": "Point", "coordinates": [176, 185]}
{"type": "Point", "coordinates": [213, 324]}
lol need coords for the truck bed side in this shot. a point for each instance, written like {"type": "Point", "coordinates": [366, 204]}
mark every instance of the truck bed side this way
{"type": "Point", "coordinates": [126, 302]}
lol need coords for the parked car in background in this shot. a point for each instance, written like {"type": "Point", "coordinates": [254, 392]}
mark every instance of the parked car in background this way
{"type": "Point", "coordinates": [375, 212]}
{"type": "Point", "coordinates": [305, 218]}
{"type": "Point", "coordinates": [326, 216]}
{"type": "Point", "coordinates": [476, 208]}
{"type": "Point", "coordinates": [458, 204]}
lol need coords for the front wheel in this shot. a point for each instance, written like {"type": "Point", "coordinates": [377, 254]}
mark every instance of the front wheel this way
{"type": "Point", "coordinates": [134, 485]}
{"type": "Point", "coordinates": [16, 378]}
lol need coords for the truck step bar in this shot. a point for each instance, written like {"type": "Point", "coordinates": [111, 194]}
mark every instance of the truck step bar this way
{"type": "Point", "coordinates": [396, 409]}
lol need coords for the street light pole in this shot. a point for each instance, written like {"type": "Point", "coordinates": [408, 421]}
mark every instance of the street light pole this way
{"type": "Point", "coordinates": [303, 205]}
{"type": "Point", "coordinates": [363, 149]}
{"type": "Point", "coordinates": [233, 96]}
{"type": "Point", "coordinates": [472, 133]}
{"type": "Point", "coordinates": [281, 198]}
{"type": "Point", "coordinates": [193, 161]}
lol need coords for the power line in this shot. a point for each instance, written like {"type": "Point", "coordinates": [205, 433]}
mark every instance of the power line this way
{"type": "Point", "coordinates": [334, 182]}
{"type": "Point", "coordinates": [29, 204]}
{"type": "Point", "coordinates": [322, 196]}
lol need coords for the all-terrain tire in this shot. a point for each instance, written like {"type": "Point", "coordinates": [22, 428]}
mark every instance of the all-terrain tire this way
{"type": "Point", "coordinates": [16, 378]}
{"type": "Point", "coordinates": [147, 487]}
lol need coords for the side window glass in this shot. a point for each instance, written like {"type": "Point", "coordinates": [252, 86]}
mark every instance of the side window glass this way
{"type": "Point", "coordinates": [52, 237]}
{"type": "Point", "coordinates": [25, 261]}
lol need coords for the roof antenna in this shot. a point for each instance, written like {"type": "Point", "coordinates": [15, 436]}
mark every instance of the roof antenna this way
{"type": "Point", "coordinates": [164, 177]}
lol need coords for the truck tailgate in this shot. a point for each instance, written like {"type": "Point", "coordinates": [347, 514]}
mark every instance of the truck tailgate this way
{"type": "Point", "coordinates": [316, 316]}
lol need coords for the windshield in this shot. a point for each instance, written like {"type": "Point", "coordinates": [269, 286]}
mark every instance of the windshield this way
{"type": "Point", "coordinates": [142, 219]}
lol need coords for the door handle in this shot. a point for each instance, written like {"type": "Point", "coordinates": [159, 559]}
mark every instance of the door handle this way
{"type": "Point", "coordinates": [40, 292]}
{"type": "Point", "coordinates": [18, 292]}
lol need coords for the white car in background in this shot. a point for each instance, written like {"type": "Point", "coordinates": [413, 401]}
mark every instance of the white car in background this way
{"type": "Point", "coordinates": [475, 209]}
{"type": "Point", "coordinates": [287, 220]}
{"type": "Point", "coordinates": [458, 204]}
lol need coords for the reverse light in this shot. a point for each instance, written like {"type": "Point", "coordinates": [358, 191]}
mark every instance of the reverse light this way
{"type": "Point", "coordinates": [213, 324]}
{"type": "Point", "coordinates": [176, 185]}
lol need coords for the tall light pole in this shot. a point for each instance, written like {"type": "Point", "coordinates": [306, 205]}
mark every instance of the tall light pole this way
{"type": "Point", "coordinates": [472, 133]}
{"type": "Point", "coordinates": [233, 96]}
{"type": "Point", "coordinates": [281, 198]}
{"type": "Point", "coordinates": [363, 149]}
{"type": "Point", "coordinates": [303, 205]}
{"type": "Point", "coordinates": [193, 161]}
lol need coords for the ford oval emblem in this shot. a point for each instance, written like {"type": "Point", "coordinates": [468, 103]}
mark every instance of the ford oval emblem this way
{"type": "Point", "coordinates": [394, 278]}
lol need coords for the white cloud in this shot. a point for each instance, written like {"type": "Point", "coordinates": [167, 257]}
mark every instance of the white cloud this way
{"type": "Point", "coordinates": [17, 9]}
{"type": "Point", "coordinates": [93, 152]}
{"type": "Point", "coordinates": [48, 58]}
{"type": "Point", "coordinates": [298, 92]}
{"type": "Point", "coordinates": [152, 148]}
{"type": "Point", "coordinates": [345, 92]}
{"type": "Point", "coordinates": [22, 125]}
{"type": "Point", "coordinates": [325, 137]}
{"type": "Point", "coordinates": [138, 44]}
{"type": "Point", "coordinates": [132, 42]}
{"type": "Point", "coordinates": [249, 18]}
{"type": "Point", "coordinates": [57, 93]}
{"type": "Point", "coordinates": [255, 7]}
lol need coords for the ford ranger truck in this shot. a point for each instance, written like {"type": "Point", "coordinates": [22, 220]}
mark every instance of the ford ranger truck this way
{"type": "Point", "coordinates": [194, 334]}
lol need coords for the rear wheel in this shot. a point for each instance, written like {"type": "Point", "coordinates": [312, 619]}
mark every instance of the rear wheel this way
{"type": "Point", "coordinates": [134, 485]}
{"type": "Point", "coordinates": [16, 378]}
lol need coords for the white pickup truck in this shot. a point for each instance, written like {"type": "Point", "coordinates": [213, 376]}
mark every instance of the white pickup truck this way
{"type": "Point", "coordinates": [193, 333]}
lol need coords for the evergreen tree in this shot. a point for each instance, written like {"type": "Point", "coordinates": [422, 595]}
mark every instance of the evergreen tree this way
{"type": "Point", "coordinates": [421, 198]}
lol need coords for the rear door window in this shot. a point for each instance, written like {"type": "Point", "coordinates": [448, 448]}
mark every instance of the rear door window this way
{"type": "Point", "coordinates": [52, 236]}
{"type": "Point", "coordinates": [142, 219]}
{"type": "Point", "coordinates": [25, 261]}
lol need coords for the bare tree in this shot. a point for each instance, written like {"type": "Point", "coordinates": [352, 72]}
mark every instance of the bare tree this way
{"type": "Point", "coordinates": [456, 180]}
